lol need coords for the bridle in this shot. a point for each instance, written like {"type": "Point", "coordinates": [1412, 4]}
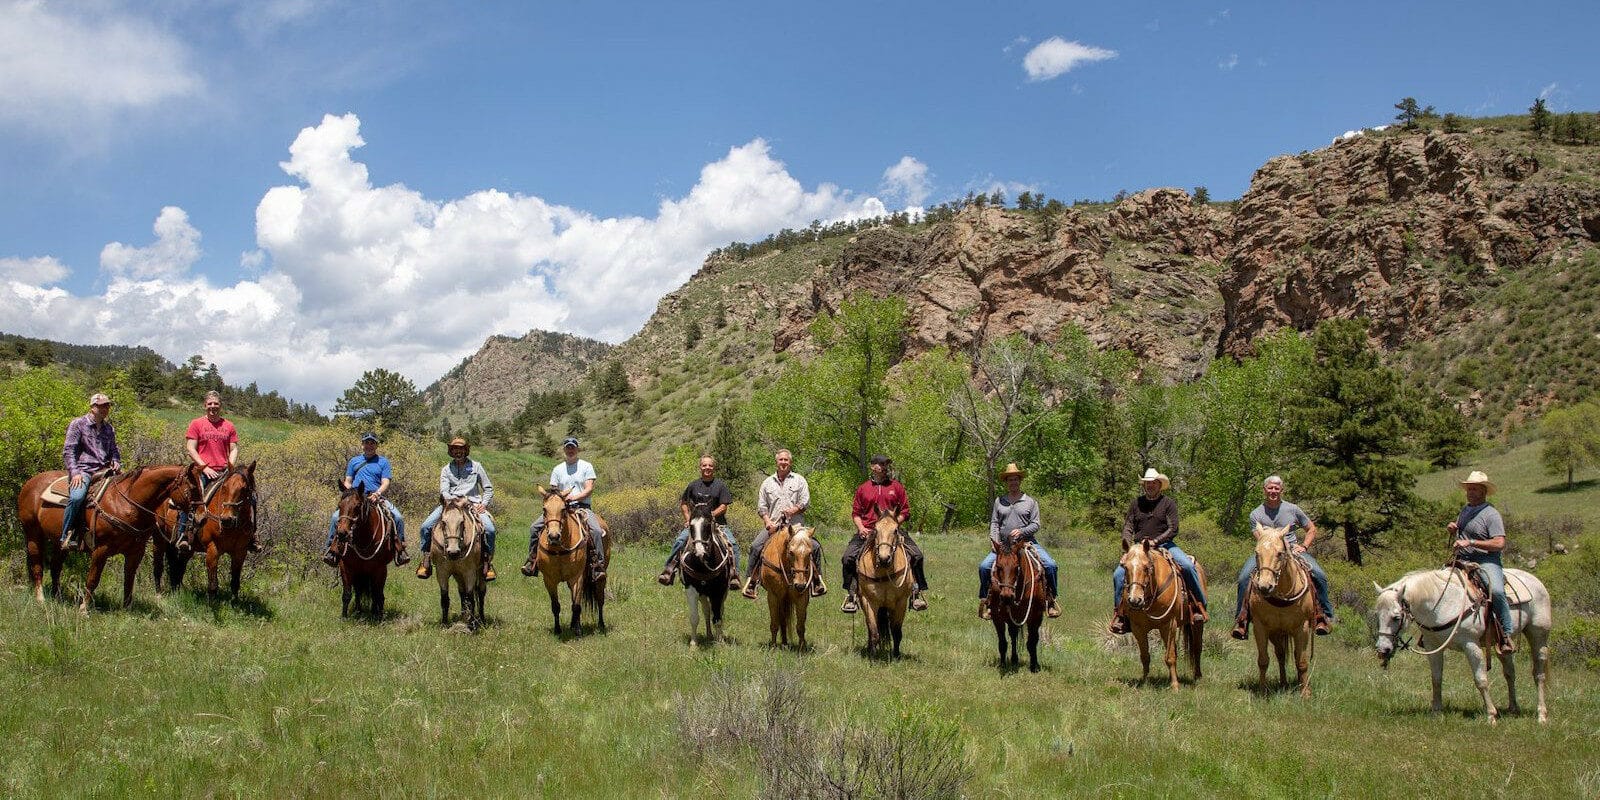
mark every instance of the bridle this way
{"type": "Point", "coordinates": [699, 525]}
{"type": "Point", "coordinates": [364, 510]}
{"type": "Point", "coordinates": [1024, 555]}
{"type": "Point", "coordinates": [120, 483]}
{"type": "Point", "coordinates": [896, 544]}
{"type": "Point", "coordinates": [556, 528]}
{"type": "Point", "coordinates": [1280, 565]}
{"type": "Point", "coordinates": [457, 532]}
{"type": "Point", "coordinates": [201, 509]}
{"type": "Point", "coordinates": [1146, 576]}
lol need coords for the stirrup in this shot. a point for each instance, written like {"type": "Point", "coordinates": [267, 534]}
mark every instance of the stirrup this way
{"type": "Point", "coordinates": [917, 603]}
{"type": "Point", "coordinates": [528, 569]}
{"type": "Point", "coordinates": [1052, 609]}
{"type": "Point", "coordinates": [851, 605]}
{"type": "Point", "coordinates": [1119, 624]}
{"type": "Point", "coordinates": [818, 588]}
{"type": "Point", "coordinates": [983, 609]}
{"type": "Point", "coordinates": [749, 590]}
{"type": "Point", "coordinates": [1241, 628]}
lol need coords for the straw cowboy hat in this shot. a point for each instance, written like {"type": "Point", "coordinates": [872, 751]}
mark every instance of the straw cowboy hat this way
{"type": "Point", "coordinates": [1013, 470]}
{"type": "Point", "coordinates": [461, 443]}
{"type": "Point", "coordinates": [1152, 474]}
{"type": "Point", "coordinates": [1480, 478]}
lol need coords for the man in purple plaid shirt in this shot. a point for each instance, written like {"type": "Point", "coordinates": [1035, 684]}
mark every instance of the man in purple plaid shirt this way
{"type": "Point", "coordinates": [91, 446]}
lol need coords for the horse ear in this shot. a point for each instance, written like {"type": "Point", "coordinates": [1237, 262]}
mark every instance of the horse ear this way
{"type": "Point", "coordinates": [1376, 586]}
{"type": "Point", "coordinates": [543, 492]}
{"type": "Point", "coordinates": [250, 471]}
{"type": "Point", "coordinates": [1124, 545]}
{"type": "Point", "coordinates": [1257, 531]}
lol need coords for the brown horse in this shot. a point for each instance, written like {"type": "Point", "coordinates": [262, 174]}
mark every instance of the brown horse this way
{"type": "Point", "coordinates": [883, 573]}
{"type": "Point", "coordinates": [364, 536]}
{"type": "Point", "coordinates": [1282, 606]}
{"type": "Point", "coordinates": [563, 557]}
{"type": "Point", "coordinates": [1157, 599]}
{"type": "Point", "coordinates": [223, 523]}
{"type": "Point", "coordinates": [457, 551]}
{"type": "Point", "coordinates": [786, 573]}
{"type": "Point", "coordinates": [119, 524]}
{"type": "Point", "coordinates": [1017, 598]}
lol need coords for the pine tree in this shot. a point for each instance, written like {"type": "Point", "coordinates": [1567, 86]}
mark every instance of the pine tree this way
{"type": "Point", "coordinates": [1201, 196]}
{"type": "Point", "coordinates": [1539, 118]}
{"type": "Point", "coordinates": [727, 448]}
{"type": "Point", "coordinates": [577, 425]}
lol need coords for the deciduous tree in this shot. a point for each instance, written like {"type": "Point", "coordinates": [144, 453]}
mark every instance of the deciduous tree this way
{"type": "Point", "coordinates": [1571, 439]}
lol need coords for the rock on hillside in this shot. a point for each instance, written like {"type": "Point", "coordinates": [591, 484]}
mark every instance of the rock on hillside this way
{"type": "Point", "coordinates": [494, 382]}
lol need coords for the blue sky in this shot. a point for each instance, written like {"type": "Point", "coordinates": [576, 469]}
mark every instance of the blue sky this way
{"type": "Point", "coordinates": [465, 169]}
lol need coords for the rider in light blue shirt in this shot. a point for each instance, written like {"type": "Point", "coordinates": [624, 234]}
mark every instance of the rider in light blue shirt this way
{"type": "Point", "coordinates": [372, 472]}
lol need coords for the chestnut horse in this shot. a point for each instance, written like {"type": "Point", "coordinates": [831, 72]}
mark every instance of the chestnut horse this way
{"type": "Point", "coordinates": [563, 557]}
{"type": "Point", "coordinates": [365, 538]}
{"type": "Point", "coordinates": [883, 573]}
{"type": "Point", "coordinates": [223, 523]}
{"type": "Point", "coordinates": [1282, 606]}
{"type": "Point", "coordinates": [1157, 599]}
{"type": "Point", "coordinates": [457, 551]}
{"type": "Point", "coordinates": [705, 564]}
{"type": "Point", "coordinates": [119, 524]}
{"type": "Point", "coordinates": [1017, 598]}
{"type": "Point", "coordinates": [787, 573]}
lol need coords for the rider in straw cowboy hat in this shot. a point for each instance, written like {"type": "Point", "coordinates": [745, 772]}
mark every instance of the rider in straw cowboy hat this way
{"type": "Point", "coordinates": [1153, 517]}
{"type": "Point", "coordinates": [1015, 519]}
{"type": "Point", "coordinates": [462, 477]}
{"type": "Point", "coordinates": [1480, 537]}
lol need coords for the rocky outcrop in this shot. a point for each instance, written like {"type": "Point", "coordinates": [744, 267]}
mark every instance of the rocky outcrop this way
{"type": "Point", "coordinates": [494, 382]}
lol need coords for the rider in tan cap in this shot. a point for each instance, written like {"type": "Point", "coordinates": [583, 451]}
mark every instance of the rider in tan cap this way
{"type": "Point", "coordinates": [462, 477]}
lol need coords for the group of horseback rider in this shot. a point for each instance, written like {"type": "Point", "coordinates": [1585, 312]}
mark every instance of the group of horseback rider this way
{"type": "Point", "coordinates": [212, 443]}
{"type": "Point", "coordinates": [90, 454]}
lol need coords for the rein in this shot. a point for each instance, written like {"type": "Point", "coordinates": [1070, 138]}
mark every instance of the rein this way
{"type": "Point", "coordinates": [583, 535]}
{"type": "Point", "coordinates": [210, 492]}
{"type": "Point", "coordinates": [721, 547]}
{"type": "Point", "coordinates": [1035, 568]}
{"type": "Point", "coordinates": [1172, 574]}
{"type": "Point", "coordinates": [123, 490]}
{"type": "Point", "coordinates": [1454, 625]}
{"type": "Point", "coordinates": [366, 507]}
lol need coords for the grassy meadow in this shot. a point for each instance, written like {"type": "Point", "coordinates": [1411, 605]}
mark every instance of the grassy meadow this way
{"type": "Point", "coordinates": [276, 696]}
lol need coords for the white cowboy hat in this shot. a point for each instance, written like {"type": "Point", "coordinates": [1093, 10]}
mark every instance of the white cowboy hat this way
{"type": "Point", "coordinates": [1479, 477]}
{"type": "Point", "coordinates": [1152, 474]}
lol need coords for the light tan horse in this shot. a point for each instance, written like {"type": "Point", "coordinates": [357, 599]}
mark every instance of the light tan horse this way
{"type": "Point", "coordinates": [457, 552]}
{"type": "Point", "coordinates": [787, 573]}
{"type": "Point", "coordinates": [1157, 599]}
{"type": "Point", "coordinates": [1282, 607]}
{"type": "Point", "coordinates": [563, 557]}
{"type": "Point", "coordinates": [883, 573]}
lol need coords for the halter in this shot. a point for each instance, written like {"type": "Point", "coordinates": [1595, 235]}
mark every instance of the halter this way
{"type": "Point", "coordinates": [469, 520]}
{"type": "Point", "coordinates": [1280, 565]}
{"type": "Point", "coordinates": [782, 568]}
{"type": "Point", "coordinates": [583, 534]}
{"type": "Point", "coordinates": [210, 492]}
{"type": "Point", "coordinates": [897, 577]}
{"type": "Point", "coordinates": [1159, 590]}
{"type": "Point", "coordinates": [1454, 625]}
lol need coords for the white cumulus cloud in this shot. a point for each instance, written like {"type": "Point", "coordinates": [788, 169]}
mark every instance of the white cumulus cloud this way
{"type": "Point", "coordinates": [908, 179]}
{"type": "Point", "coordinates": [73, 70]}
{"type": "Point", "coordinates": [41, 271]}
{"type": "Point", "coordinates": [1056, 56]}
{"type": "Point", "coordinates": [176, 249]}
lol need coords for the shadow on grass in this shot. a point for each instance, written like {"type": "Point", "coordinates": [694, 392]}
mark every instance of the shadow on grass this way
{"type": "Point", "coordinates": [1158, 680]}
{"type": "Point", "coordinates": [1272, 688]}
{"type": "Point", "coordinates": [1563, 488]}
{"type": "Point", "coordinates": [1005, 667]}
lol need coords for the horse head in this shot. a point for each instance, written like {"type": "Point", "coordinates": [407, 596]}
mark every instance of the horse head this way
{"type": "Point", "coordinates": [555, 507]}
{"type": "Point", "coordinates": [453, 525]}
{"type": "Point", "coordinates": [352, 511]}
{"type": "Point", "coordinates": [797, 557]}
{"type": "Point", "coordinates": [701, 531]}
{"type": "Point", "coordinates": [1389, 615]}
{"type": "Point", "coordinates": [237, 492]}
{"type": "Point", "coordinates": [1005, 578]}
{"type": "Point", "coordinates": [1139, 562]}
{"type": "Point", "coordinates": [885, 536]}
{"type": "Point", "coordinates": [1272, 557]}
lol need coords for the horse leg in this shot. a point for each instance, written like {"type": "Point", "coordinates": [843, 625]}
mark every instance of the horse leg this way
{"type": "Point", "coordinates": [377, 595]}
{"type": "Point", "coordinates": [577, 605]}
{"type": "Point", "coordinates": [692, 597]}
{"type": "Point", "coordinates": [555, 608]}
{"type": "Point", "coordinates": [1169, 641]}
{"type": "Point", "coordinates": [1302, 659]}
{"type": "Point", "coordinates": [130, 571]}
{"type": "Point", "coordinates": [444, 599]}
{"type": "Point", "coordinates": [35, 557]}
{"type": "Point", "coordinates": [158, 558]}
{"type": "Point", "coordinates": [895, 627]}
{"type": "Point", "coordinates": [1144, 656]}
{"type": "Point", "coordinates": [235, 571]}
{"type": "Point", "coordinates": [1539, 654]}
{"type": "Point", "coordinates": [213, 558]}
{"type": "Point", "coordinates": [1000, 637]}
{"type": "Point", "coordinates": [1262, 659]}
{"type": "Point", "coordinates": [466, 605]}
{"type": "Point", "coordinates": [349, 591]}
{"type": "Point", "coordinates": [717, 605]}
{"type": "Point", "coordinates": [777, 619]}
{"type": "Point", "coordinates": [1033, 647]}
{"type": "Point", "coordinates": [1280, 648]}
{"type": "Point", "coordinates": [97, 563]}
{"type": "Point", "coordinates": [799, 605]}
{"type": "Point", "coordinates": [1480, 676]}
{"type": "Point", "coordinates": [1196, 642]}
{"type": "Point", "coordinates": [1508, 665]}
{"type": "Point", "coordinates": [1436, 669]}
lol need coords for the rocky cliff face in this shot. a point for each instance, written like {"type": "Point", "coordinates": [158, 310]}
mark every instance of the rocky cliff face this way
{"type": "Point", "coordinates": [494, 382]}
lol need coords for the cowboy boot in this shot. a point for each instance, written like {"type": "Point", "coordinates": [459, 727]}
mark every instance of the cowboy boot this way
{"type": "Point", "coordinates": [1119, 622]}
{"type": "Point", "coordinates": [181, 537]}
{"type": "Point", "coordinates": [529, 567]}
{"type": "Point", "coordinates": [597, 561]}
{"type": "Point", "coordinates": [1323, 625]}
{"type": "Point", "coordinates": [818, 588]}
{"type": "Point", "coordinates": [402, 558]}
{"type": "Point", "coordinates": [733, 579]}
{"type": "Point", "coordinates": [331, 556]}
{"type": "Point", "coordinates": [488, 569]}
{"type": "Point", "coordinates": [255, 544]}
{"type": "Point", "coordinates": [749, 590]}
{"type": "Point", "coordinates": [668, 572]}
{"type": "Point", "coordinates": [1052, 609]}
{"type": "Point", "coordinates": [1241, 624]}
{"type": "Point", "coordinates": [425, 569]}
{"type": "Point", "coordinates": [917, 603]}
{"type": "Point", "coordinates": [983, 609]}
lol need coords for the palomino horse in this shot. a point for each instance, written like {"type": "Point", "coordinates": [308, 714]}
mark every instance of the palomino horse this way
{"type": "Point", "coordinates": [457, 552]}
{"type": "Point", "coordinates": [1282, 606]}
{"type": "Point", "coordinates": [705, 565]}
{"type": "Point", "coordinates": [223, 522]}
{"type": "Point", "coordinates": [365, 535]}
{"type": "Point", "coordinates": [884, 576]}
{"type": "Point", "coordinates": [1017, 598]}
{"type": "Point", "coordinates": [1437, 600]}
{"type": "Point", "coordinates": [119, 524]}
{"type": "Point", "coordinates": [1158, 600]}
{"type": "Point", "coordinates": [563, 557]}
{"type": "Point", "coordinates": [787, 574]}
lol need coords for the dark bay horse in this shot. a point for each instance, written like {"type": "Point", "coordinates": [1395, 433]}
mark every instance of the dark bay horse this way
{"type": "Point", "coordinates": [223, 522]}
{"type": "Point", "coordinates": [787, 572]}
{"type": "Point", "coordinates": [1158, 600]}
{"type": "Point", "coordinates": [119, 524]}
{"type": "Point", "coordinates": [563, 557]}
{"type": "Point", "coordinates": [705, 565]}
{"type": "Point", "coordinates": [457, 551]}
{"type": "Point", "coordinates": [883, 573]}
{"type": "Point", "coordinates": [1017, 599]}
{"type": "Point", "coordinates": [365, 538]}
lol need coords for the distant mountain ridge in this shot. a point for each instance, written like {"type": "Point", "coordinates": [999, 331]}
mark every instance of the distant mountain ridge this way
{"type": "Point", "coordinates": [494, 382]}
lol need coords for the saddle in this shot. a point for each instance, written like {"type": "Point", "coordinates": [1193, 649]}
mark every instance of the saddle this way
{"type": "Point", "coordinates": [1478, 593]}
{"type": "Point", "coordinates": [55, 493]}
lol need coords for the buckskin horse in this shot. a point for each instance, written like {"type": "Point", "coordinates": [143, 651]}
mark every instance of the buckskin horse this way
{"type": "Point", "coordinates": [223, 522]}
{"type": "Point", "coordinates": [563, 557]}
{"type": "Point", "coordinates": [365, 537]}
{"type": "Point", "coordinates": [884, 576]}
{"type": "Point", "coordinates": [1282, 606]}
{"type": "Point", "coordinates": [1017, 598]}
{"type": "Point", "coordinates": [705, 573]}
{"type": "Point", "coordinates": [787, 573]}
{"type": "Point", "coordinates": [457, 552]}
{"type": "Point", "coordinates": [1158, 600]}
{"type": "Point", "coordinates": [1450, 616]}
{"type": "Point", "coordinates": [119, 523]}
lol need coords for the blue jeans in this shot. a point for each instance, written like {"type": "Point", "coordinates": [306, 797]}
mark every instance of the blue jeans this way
{"type": "Point", "coordinates": [433, 520]}
{"type": "Point", "coordinates": [75, 500]}
{"type": "Point", "coordinates": [1119, 578]}
{"type": "Point", "coordinates": [399, 525]}
{"type": "Point", "coordinates": [1495, 575]}
{"type": "Point", "coordinates": [987, 565]}
{"type": "Point", "coordinates": [683, 540]}
{"type": "Point", "coordinates": [1318, 579]}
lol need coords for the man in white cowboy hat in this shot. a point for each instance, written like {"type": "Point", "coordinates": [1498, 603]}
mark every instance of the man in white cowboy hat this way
{"type": "Point", "coordinates": [462, 477]}
{"type": "Point", "coordinates": [1480, 537]}
{"type": "Point", "coordinates": [1153, 517]}
{"type": "Point", "coordinates": [90, 448]}
{"type": "Point", "coordinates": [1015, 519]}
{"type": "Point", "coordinates": [1275, 512]}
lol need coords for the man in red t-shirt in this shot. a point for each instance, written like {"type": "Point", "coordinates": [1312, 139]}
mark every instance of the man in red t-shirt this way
{"type": "Point", "coordinates": [879, 490]}
{"type": "Point", "coordinates": [213, 444]}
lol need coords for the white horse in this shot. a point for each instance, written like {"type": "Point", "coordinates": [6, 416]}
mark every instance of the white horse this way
{"type": "Point", "coordinates": [1437, 601]}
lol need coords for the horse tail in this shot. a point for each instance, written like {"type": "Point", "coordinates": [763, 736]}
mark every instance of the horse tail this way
{"type": "Point", "coordinates": [593, 591]}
